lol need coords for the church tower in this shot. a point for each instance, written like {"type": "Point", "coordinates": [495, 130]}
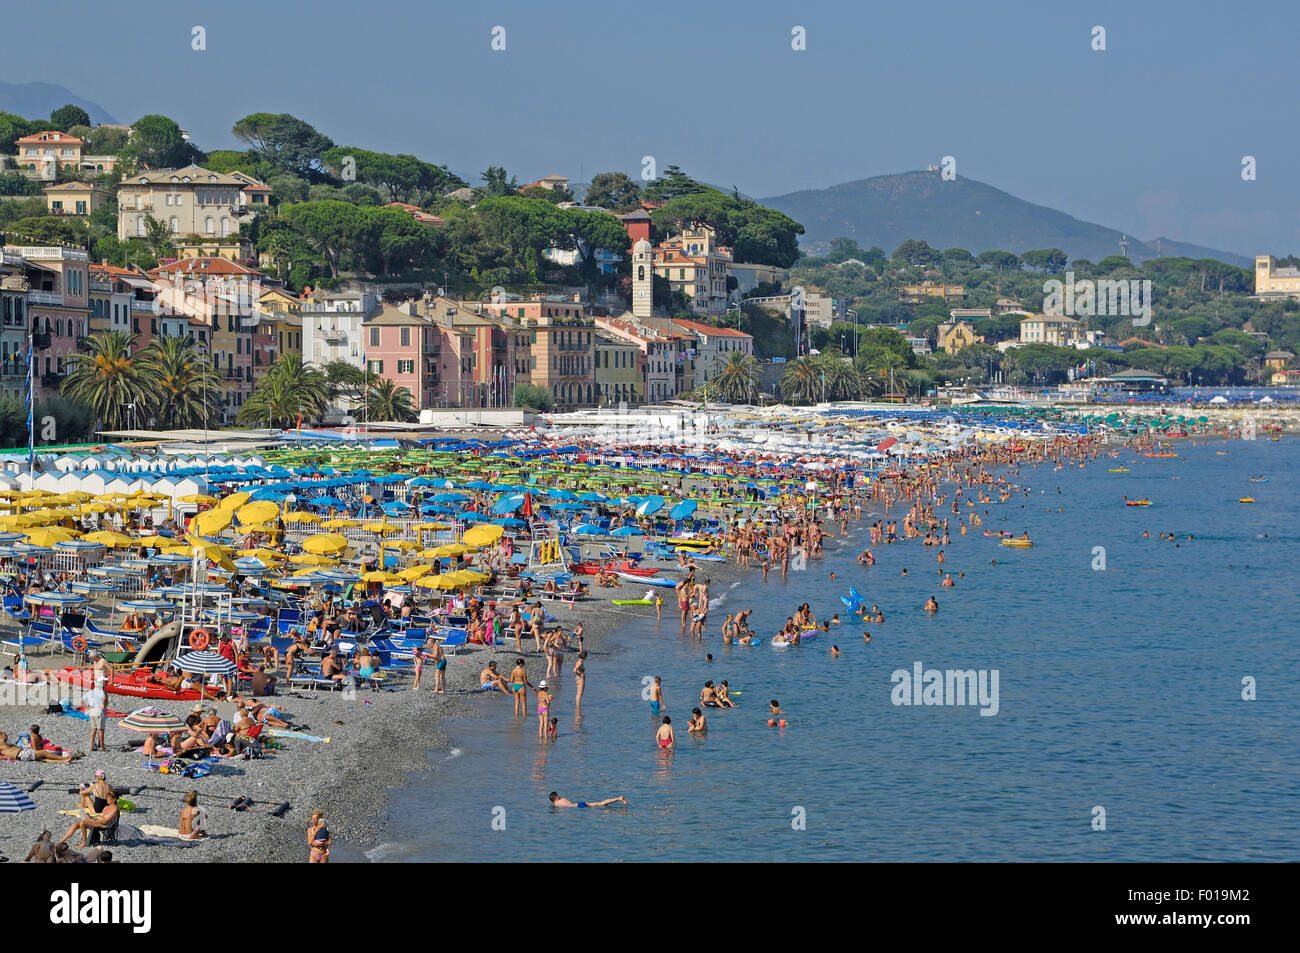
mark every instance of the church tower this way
{"type": "Point", "coordinates": [643, 273]}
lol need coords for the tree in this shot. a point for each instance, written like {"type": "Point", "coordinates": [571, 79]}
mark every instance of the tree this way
{"type": "Point", "coordinates": [65, 117]}
{"type": "Point", "coordinates": [124, 254]}
{"type": "Point", "coordinates": [916, 252]}
{"type": "Point", "coordinates": [158, 237]}
{"type": "Point", "coordinates": [393, 235]}
{"type": "Point", "coordinates": [495, 182]}
{"type": "Point", "coordinates": [284, 141]}
{"type": "Point", "coordinates": [12, 128]}
{"type": "Point", "coordinates": [331, 228]}
{"type": "Point", "coordinates": [531, 395]}
{"type": "Point", "coordinates": [287, 391]}
{"type": "Point", "coordinates": [106, 140]}
{"type": "Point", "coordinates": [614, 191]}
{"type": "Point", "coordinates": [737, 377]}
{"type": "Point", "coordinates": [51, 230]}
{"type": "Point", "coordinates": [15, 183]}
{"type": "Point", "coordinates": [107, 380]}
{"type": "Point", "coordinates": [1050, 260]}
{"type": "Point", "coordinates": [185, 389]}
{"type": "Point", "coordinates": [387, 401]}
{"type": "Point", "coordinates": [801, 380]}
{"type": "Point", "coordinates": [999, 261]}
{"type": "Point", "coordinates": [346, 381]}
{"type": "Point", "coordinates": [674, 183]}
{"type": "Point", "coordinates": [157, 143]}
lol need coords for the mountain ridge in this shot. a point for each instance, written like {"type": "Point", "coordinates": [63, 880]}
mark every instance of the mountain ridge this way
{"type": "Point", "coordinates": [886, 210]}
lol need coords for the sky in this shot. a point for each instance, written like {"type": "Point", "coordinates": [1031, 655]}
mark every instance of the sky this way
{"type": "Point", "coordinates": [1147, 136]}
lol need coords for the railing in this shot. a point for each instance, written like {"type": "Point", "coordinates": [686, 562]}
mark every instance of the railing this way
{"type": "Point", "coordinates": [334, 337]}
{"type": "Point", "coordinates": [45, 297]}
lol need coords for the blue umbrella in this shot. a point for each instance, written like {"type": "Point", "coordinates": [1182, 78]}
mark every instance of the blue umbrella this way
{"type": "Point", "coordinates": [508, 504]}
{"type": "Point", "coordinates": [650, 505]}
{"type": "Point", "coordinates": [683, 509]}
{"type": "Point", "coordinates": [88, 586]}
{"type": "Point", "coordinates": [558, 494]}
{"type": "Point", "coordinates": [586, 529]}
{"type": "Point", "coordinates": [509, 521]}
{"type": "Point", "coordinates": [569, 507]}
{"type": "Point", "coordinates": [449, 497]}
{"type": "Point", "coordinates": [628, 531]}
{"type": "Point", "coordinates": [593, 497]}
{"type": "Point", "coordinates": [57, 598]}
{"type": "Point", "coordinates": [14, 800]}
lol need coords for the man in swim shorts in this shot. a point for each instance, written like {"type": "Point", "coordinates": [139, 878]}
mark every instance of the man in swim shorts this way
{"type": "Point", "coordinates": [656, 696]}
{"type": "Point", "coordinates": [557, 801]}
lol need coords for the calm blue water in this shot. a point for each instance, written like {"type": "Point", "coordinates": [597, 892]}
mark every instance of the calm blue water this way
{"type": "Point", "coordinates": [1118, 688]}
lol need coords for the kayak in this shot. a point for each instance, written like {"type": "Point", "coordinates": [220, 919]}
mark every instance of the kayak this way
{"type": "Point", "coordinates": [1119, 469]}
{"type": "Point", "coordinates": [1160, 455]}
{"type": "Point", "coordinates": [649, 580]}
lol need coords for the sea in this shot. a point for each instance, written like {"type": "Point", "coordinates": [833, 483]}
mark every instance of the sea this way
{"type": "Point", "coordinates": [1146, 706]}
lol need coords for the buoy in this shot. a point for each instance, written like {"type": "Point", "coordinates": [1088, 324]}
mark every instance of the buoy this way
{"type": "Point", "coordinates": [781, 723]}
{"type": "Point", "coordinates": [771, 723]}
{"type": "Point", "coordinates": [79, 643]}
{"type": "Point", "coordinates": [200, 640]}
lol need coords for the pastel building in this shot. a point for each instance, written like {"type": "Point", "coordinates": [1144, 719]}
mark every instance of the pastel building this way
{"type": "Point", "coordinates": [58, 307]}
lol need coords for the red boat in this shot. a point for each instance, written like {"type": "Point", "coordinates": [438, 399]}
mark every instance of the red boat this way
{"type": "Point", "coordinates": [135, 684]}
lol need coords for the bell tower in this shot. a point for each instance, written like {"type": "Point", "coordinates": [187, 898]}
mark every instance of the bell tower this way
{"type": "Point", "coordinates": [643, 273]}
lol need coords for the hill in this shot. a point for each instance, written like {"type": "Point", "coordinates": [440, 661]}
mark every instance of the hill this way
{"type": "Point", "coordinates": [889, 209]}
{"type": "Point", "coordinates": [33, 100]}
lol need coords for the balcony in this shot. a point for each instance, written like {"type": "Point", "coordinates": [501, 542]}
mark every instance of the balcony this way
{"type": "Point", "coordinates": [334, 337]}
{"type": "Point", "coordinates": [45, 297]}
{"type": "Point", "coordinates": [51, 380]}
{"type": "Point", "coordinates": [40, 342]}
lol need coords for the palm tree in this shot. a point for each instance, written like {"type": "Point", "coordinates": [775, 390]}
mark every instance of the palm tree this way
{"type": "Point", "coordinates": [107, 381]}
{"type": "Point", "coordinates": [186, 389]}
{"type": "Point", "coordinates": [387, 401]}
{"type": "Point", "coordinates": [802, 380]}
{"type": "Point", "coordinates": [737, 378]}
{"type": "Point", "coordinates": [841, 380]}
{"type": "Point", "coordinates": [286, 391]}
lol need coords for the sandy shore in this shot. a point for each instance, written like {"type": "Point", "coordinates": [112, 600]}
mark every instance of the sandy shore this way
{"type": "Point", "coordinates": [378, 740]}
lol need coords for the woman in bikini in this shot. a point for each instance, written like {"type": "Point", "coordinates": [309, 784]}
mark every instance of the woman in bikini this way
{"type": "Point", "coordinates": [519, 684]}
{"type": "Point", "coordinates": [318, 839]}
{"type": "Point", "coordinates": [579, 678]}
{"type": "Point", "coordinates": [194, 821]}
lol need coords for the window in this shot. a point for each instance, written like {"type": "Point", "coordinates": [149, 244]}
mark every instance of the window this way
{"type": "Point", "coordinates": [209, 226]}
{"type": "Point", "coordinates": [376, 367]}
{"type": "Point", "coordinates": [175, 225]}
{"type": "Point", "coordinates": [406, 367]}
{"type": "Point", "coordinates": [374, 337]}
{"type": "Point", "coordinates": [406, 337]}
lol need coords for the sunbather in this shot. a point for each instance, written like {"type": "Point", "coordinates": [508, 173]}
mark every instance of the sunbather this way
{"type": "Point", "coordinates": [32, 754]}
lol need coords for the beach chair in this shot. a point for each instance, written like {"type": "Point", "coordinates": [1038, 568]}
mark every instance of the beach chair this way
{"type": "Point", "coordinates": [315, 680]}
{"type": "Point", "coordinates": [106, 835]}
{"type": "Point", "coordinates": [453, 638]}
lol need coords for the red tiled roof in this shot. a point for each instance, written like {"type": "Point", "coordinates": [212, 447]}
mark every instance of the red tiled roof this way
{"type": "Point", "coordinates": [699, 327]}
{"type": "Point", "coordinates": [206, 266]}
{"type": "Point", "coordinates": [63, 137]}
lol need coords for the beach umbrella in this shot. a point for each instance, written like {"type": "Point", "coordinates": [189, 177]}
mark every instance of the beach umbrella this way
{"type": "Point", "coordinates": [211, 552]}
{"type": "Point", "coordinates": [380, 575]}
{"type": "Point", "coordinates": [234, 501]}
{"type": "Point", "coordinates": [507, 504]}
{"type": "Point", "coordinates": [258, 512]}
{"type": "Point", "coordinates": [60, 599]}
{"type": "Point", "coordinates": [250, 564]}
{"type": "Point", "coordinates": [179, 557]}
{"type": "Point", "coordinates": [683, 509]}
{"type": "Point", "coordinates": [14, 800]}
{"type": "Point", "coordinates": [299, 516]}
{"type": "Point", "coordinates": [311, 559]}
{"type": "Point", "coordinates": [383, 528]}
{"type": "Point", "coordinates": [586, 529]}
{"type": "Point", "coordinates": [325, 544]}
{"type": "Point", "coordinates": [49, 535]}
{"type": "Point", "coordinates": [152, 720]}
{"type": "Point", "coordinates": [412, 573]}
{"type": "Point", "coordinates": [212, 521]}
{"type": "Point", "coordinates": [88, 586]}
{"type": "Point", "coordinates": [149, 606]}
{"type": "Point", "coordinates": [198, 498]}
{"type": "Point", "coordinates": [77, 545]}
{"type": "Point", "coordinates": [650, 505]}
{"type": "Point", "coordinates": [110, 539]}
{"type": "Point", "coordinates": [483, 535]}
{"type": "Point", "coordinates": [445, 581]}
{"type": "Point", "coordinates": [886, 444]}
{"type": "Point", "coordinates": [623, 531]}
{"type": "Point", "coordinates": [206, 662]}
{"type": "Point", "coordinates": [593, 497]}
{"type": "Point", "coordinates": [340, 523]}
{"type": "Point", "coordinates": [449, 549]}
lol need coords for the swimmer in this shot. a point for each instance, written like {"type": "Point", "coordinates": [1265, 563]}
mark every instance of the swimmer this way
{"type": "Point", "coordinates": [708, 656]}
{"type": "Point", "coordinates": [557, 801]}
{"type": "Point", "coordinates": [835, 618]}
{"type": "Point", "coordinates": [774, 707]}
{"type": "Point", "coordinates": [664, 737]}
{"type": "Point", "coordinates": [947, 582]}
{"type": "Point", "coordinates": [904, 572]}
{"type": "Point", "coordinates": [696, 722]}
{"type": "Point", "coordinates": [832, 575]}
{"type": "Point", "coordinates": [835, 651]}
{"type": "Point", "coordinates": [866, 637]}
{"type": "Point", "coordinates": [931, 605]}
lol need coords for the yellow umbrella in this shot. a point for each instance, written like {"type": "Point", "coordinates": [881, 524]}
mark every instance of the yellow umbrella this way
{"type": "Point", "coordinates": [258, 528]}
{"type": "Point", "coordinates": [445, 581]}
{"type": "Point", "coordinates": [258, 512]}
{"type": "Point", "coordinates": [153, 539]}
{"type": "Point", "coordinates": [198, 498]}
{"type": "Point", "coordinates": [379, 575]}
{"type": "Point", "coordinates": [49, 535]}
{"type": "Point", "coordinates": [484, 535]}
{"type": "Point", "coordinates": [234, 501]}
{"type": "Point", "coordinates": [427, 527]}
{"type": "Point", "coordinates": [449, 549]}
{"type": "Point", "coordinates": [471, 575]}
{"type": "Point", "coordinates": [311, 559]}
{"type": "Point", "coordinates": [383, 528]}
{"type": "Point", "coordinates": [110, 539]}
{"type": "Point", "coordinates": [412, 573]}
{"type": "Point", "coordinates": [324, 544]}
{"type": "Point", "coordinates": [212, 521]}
{"type": "Point", "coordinates": [403, 544]}
{"type": "Point", "coordinates": [262, 553]}
{"type": "Point", "coordinates": [301, 516]}
{"type": "Point", "coordinates": [340, 524]}
{"type": "Point", "coordinates": [213, 553]}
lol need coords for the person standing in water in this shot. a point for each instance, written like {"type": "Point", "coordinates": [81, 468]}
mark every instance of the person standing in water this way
{"type": "Point", "coordinates": [664, 737]}
{"type": "Point", "coordinates": [580, 678]}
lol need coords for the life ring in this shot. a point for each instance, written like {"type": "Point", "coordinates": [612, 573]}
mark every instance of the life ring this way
{"type": "Point", "coordinates": [200, 640]}
{"type": "Point", "coordinates": [79, 643]}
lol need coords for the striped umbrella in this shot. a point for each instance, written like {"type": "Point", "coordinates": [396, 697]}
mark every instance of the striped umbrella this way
{"type": "Point", "coordinates": [88, 586]}
{"type": "Point", "coordinates": [206, 662]}
{"type": "Point", "coordinates": [147, 605]}
{"type": "Point", "coordinates": [56, 599]}
{"type": "Point", "coordinates": [14, 800]}
{"type": "Point", "coordinates": [152, 720]}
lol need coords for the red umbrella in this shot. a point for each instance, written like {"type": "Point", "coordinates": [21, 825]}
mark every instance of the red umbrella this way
{"type": "Point", "coordinates": [886, 444]}
{"type": "Point", "coordinates": [528, 504]}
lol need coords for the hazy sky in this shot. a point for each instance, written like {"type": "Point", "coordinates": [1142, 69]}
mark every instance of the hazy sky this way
{"type": "Point", "coordinates": [1147, 136]}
